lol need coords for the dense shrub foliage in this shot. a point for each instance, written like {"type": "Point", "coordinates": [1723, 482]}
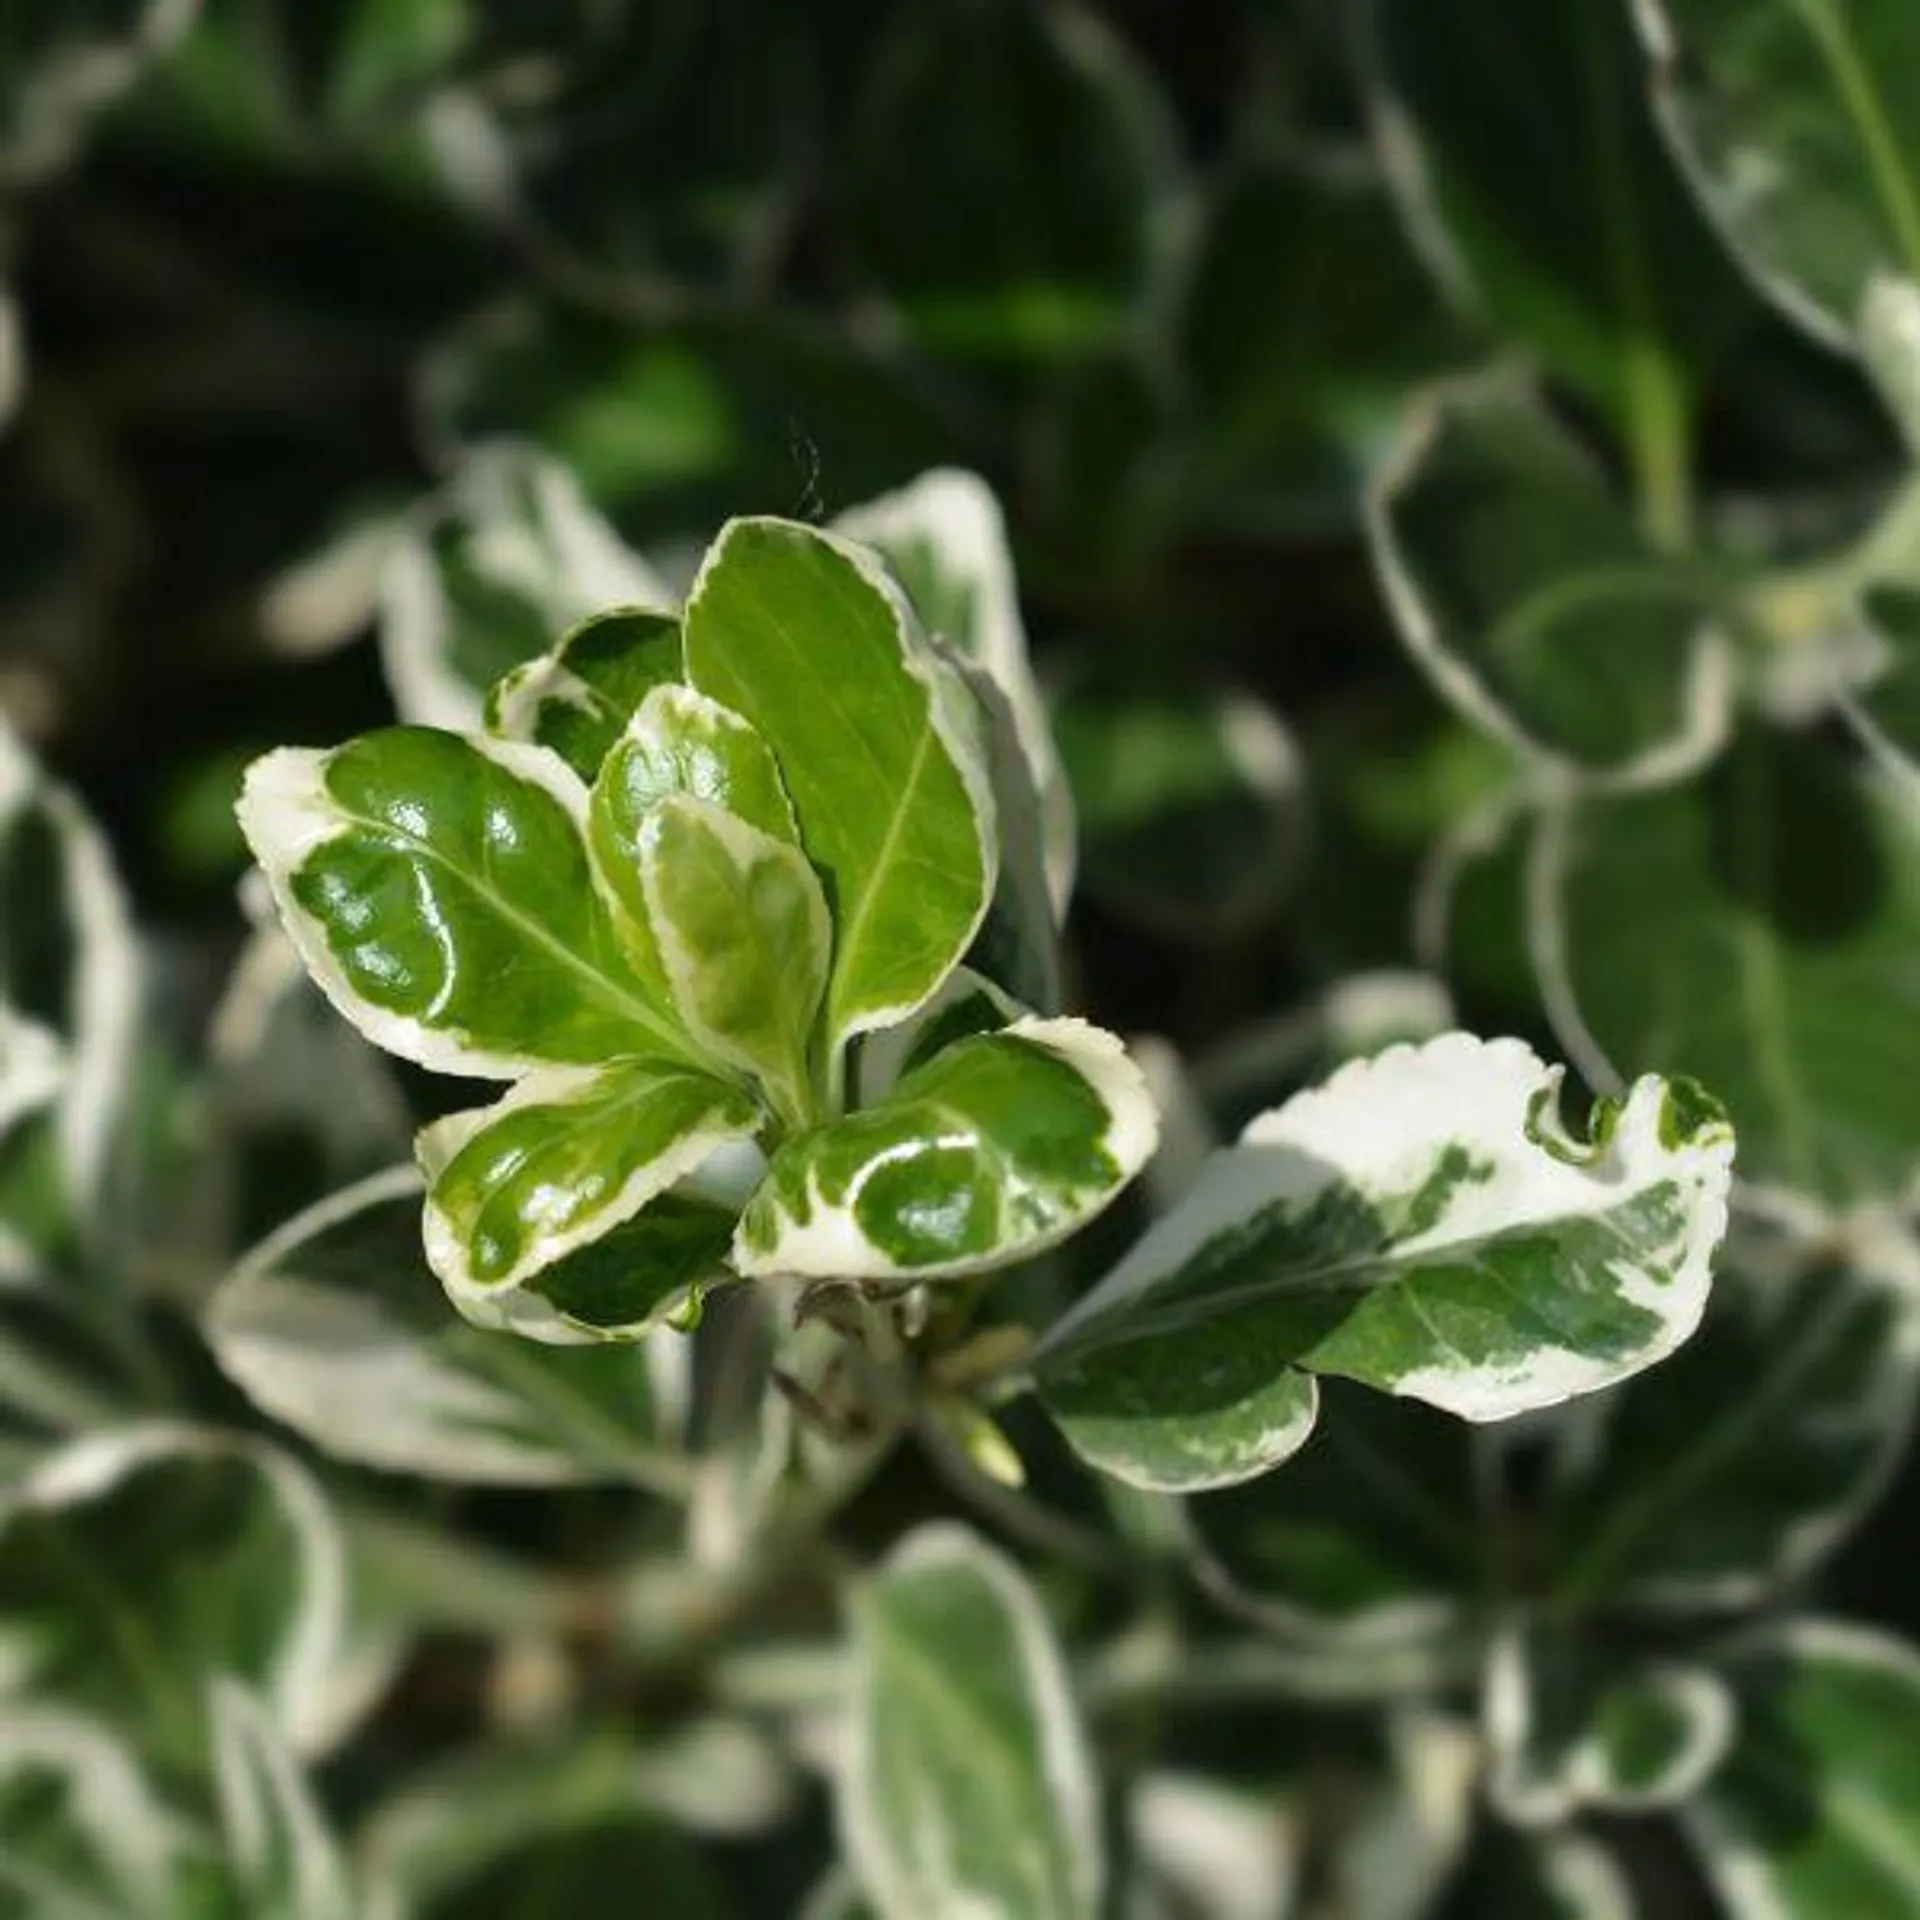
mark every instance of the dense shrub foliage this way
{"type": "Point", "coordinates": [802, 808]}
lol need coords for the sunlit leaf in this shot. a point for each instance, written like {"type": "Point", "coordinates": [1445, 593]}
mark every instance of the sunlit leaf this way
{"type": "Point", "coordinates": [1421, 1224]}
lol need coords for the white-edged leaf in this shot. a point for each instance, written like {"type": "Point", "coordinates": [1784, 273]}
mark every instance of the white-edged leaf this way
{"type": "Point", "coordinates": [137, 1562]}
{"type": "Point", "coordinates": [541, 1831]}
{"type": "Point", "coordinates": [33, 1068]}
{"type": "Point", "coordinates": [1422, 1223]}
{"type": "Point", "coordinates": [999, 1146]}
{"type": "Point", "coordinates": [967, 1787]}
{"type": "Point", "coordinates": [560, 1162]}
{"type": "Point", "coordinates": [810, 641]}
{"type": "Point", "coordinates": [1218, 1851]}
{"type": "Point", "coordinates": [965, 1003]}
{"type": "Point", "coordinates": [1816, 1812]}
{"type": "Point", "coordinates": [945, 538]}
{"type": "Point", "coordinates": [335, 1325]}
{"type": "Point", "coordinates": [744, 939]}
{"type": "Point", "coordinates": [1572, 1728]}
{"type": "Point", "coordinates": [1753, 928]}
{"type": "Point", "coordinates": [1795, 120]}
{"type": "Point", "coordinates": [438, 890]}
{"type": "Point", "coordinates": [497, 567]}
{"type": "Point", "coordinates": [578, 698]}
{"type": "Point", "coordinates": [1525, 592]}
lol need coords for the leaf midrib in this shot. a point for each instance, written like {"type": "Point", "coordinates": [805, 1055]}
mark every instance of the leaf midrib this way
{"type": "Point", "coordinates": [606, 988]}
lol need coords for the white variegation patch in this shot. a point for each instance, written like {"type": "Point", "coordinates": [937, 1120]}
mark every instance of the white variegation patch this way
{"type": "Point", "coordinates": [1382, 1129]}
{"type": "Point", "coordinates": [825, 1238]}
{"type": "Point", "coordinates": [954, 515]}
{"type": "Point", "coordinates": [1890, 345]}
{"type": "Point", "coordinates": [287, 814]}
{"type": "Point", "coordinates": [33, 1068]}
{"type": "Point", "coordinates": [501, 1302]}
{"type": "Point", "coordinates": [533, 533]}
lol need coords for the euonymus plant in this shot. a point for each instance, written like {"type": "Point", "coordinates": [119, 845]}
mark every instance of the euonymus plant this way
{"type": "Point", "coordinates": [797, 1261]}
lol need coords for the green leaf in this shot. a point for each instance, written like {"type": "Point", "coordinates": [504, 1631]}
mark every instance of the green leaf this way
{"type": "Point", "coordinates": [1525, 592]}
{"type": "Point", "coordinates": [1573, 1727]}
{"type": "Point", "coordinates": [965, 1004]}
{"type": "Point", "coordinates": [967, 1786]}
{"type": "Point", "coordinates": [1050, 155]}
{"type": "Point", "coordinates": [1192, 806]}
{"type": "Point", "coordinates": [1421, 1224]}
{"type": "Point", "coordinates": [744, 941]}
{"type": "Point", "coordinates": [1815, 1812]}
{"type": "Point", "coordinates": [578, 698]}
{"type": "Point", "coordinates": [335, 1325]}
{"type": "Point", "coordinates": [439, 892]}
{"type": "Point", "coordinates": [677, 742]}
{"type": "Point", "coordinates": [138, 1562]}
{"type": "Point", "coordinates": [998, 1147]}
{"type": "Point", "coordinates": [1527, 159]}
{"type": "Point", "coordinates": [1370, 1537]}
{"type": "Point", "coordinates": [804, 638]}
{"type": "Point", "coordinates": [1743, 1463]}
{"type": "Point", "coordinates": [945, 539]}
{"type": "Point", "coordinates": [566, 1156]}
{"type": "Point", "coordinates": [1799, 121]}
{"type": "Point", "coordinates": [1776, 966]}
{"type": "Point", "coordinates": [508, 556]}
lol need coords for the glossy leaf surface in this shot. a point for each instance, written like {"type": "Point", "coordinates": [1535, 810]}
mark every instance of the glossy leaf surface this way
{"type": "Point", "coordinates": [799, 635]}
{"type": "Point", "coordinates": [438, 890]}
{"type": "Point", "coordinates": [1420, 1224]}
{"type": "Point", "coordinates": [999, 1146]}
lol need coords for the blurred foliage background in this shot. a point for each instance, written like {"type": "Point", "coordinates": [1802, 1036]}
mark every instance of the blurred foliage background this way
{"type": "Point", "coordinates": [283, 284]}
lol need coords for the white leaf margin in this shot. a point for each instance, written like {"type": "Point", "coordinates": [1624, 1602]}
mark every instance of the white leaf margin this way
{"type": "Point", "coordinates": [1378, 1123]}
{"type": "Point", "coordinates": [952, 713]}
{"type": "Point", "coordinates": [264, 1800]}
{"type": "Point", "coordinates": [504, 1303]}
{"type": "Point", "coordinates": [951, 1549]}
{"type": "Point", "coordinates": [1707, 696]}
{"type": "Point", "coordinates": [829, 1243]}
{"type": "Point", "coordinates": [287, 815]}
{"type": "Point", "coordinates": [564, 557]}
{"type": "Point", "coordinates": [958, 515]}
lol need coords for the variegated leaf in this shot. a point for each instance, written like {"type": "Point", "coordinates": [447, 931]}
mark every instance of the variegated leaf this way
{"type": "Point", "coordinates": [518, 1189]}
{"type": "Point", "coordinates": [967, 1787]}
{"type": "Point", "coordinates": [222, 1548]}
{"type": "Point", "coordinates": [998, 1147]}
{"type": "Point", "coordinates": [334, 1324]}
{"type": "Point", "coordinates": [508, 557]}
{"type": "Point", "coordinates": [438, 890]}
{"type": "Point", "coordinates": [578, 698]}
{"type": "Point", "coordinates": [1421, 1223]}
{"type": "Point", "coordinates": [811, 643]}
{"type": "Point", "coordinates": [945, 538]}
{"type": "Point", "coordinates": [744, 941]}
